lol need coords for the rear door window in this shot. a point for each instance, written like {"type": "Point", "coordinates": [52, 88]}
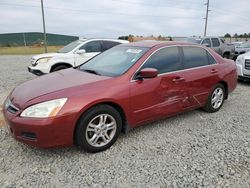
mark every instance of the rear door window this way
{"type": "Point", "coordinates": [195, 57]}
{"type": "Point", "coordinates": [109, 44]}
{"type": "Point", "coordinates": [211, 59]}
{"type": "Point", "coordinates": [93, 46]}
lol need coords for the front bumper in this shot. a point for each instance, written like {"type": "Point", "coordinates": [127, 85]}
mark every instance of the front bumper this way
{"type": "Point", "coordinates": [39, 69]}
{"type": "Point", "coordinates": [43, 132]}
{"type": "Point", "coordinates": [243, 74]}
{"type": "Point", "coordinates": [35, 71]}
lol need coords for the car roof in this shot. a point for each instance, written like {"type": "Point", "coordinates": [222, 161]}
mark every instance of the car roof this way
{"type": "Point", "coordinates": [202, 37]}
{"type": "Point", "coordinates": [106, 39]}
{"type": "Point", "coordinates": [151, 44]}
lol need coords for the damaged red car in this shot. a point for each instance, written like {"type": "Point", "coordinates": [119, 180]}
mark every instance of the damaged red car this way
{"type": "Point", "coordinates": [122, 88]}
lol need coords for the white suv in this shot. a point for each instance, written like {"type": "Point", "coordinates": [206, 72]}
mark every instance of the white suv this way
{"type": "Point", "coordinates": [243, 66]}
{"type": "Point", "coordinates": [72, 55]}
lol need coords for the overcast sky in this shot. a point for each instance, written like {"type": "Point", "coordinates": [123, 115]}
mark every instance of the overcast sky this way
{"type": "Point", "coordinates": [113, 18]}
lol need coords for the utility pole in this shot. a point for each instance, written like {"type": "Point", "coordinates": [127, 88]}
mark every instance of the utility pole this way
{"type": "Point", "coordinates": [24, 40]}
{"type": "Point", "coordinates": [44, 30]}
{"type": "Point", "coordinates": [206, 18]}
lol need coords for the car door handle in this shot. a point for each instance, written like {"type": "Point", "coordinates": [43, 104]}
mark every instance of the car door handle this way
{"type": "Point", "coordinates": [214, 71]}
{"type": "Point", "coordinates": [178, 79]}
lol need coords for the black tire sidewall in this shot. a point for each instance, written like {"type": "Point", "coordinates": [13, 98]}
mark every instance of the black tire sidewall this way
{"type": "Point", "coordinates": [209, 107]}
{"type": "Point", "coordinates": [80, 138]}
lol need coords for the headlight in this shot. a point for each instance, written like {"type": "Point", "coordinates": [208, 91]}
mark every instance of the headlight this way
{"type": "Point", "coordinates": [240, 59]}
{"type": "Point", "coordinates": [44, 109]}
{"type": "Point", "coordinates": [44, 60]}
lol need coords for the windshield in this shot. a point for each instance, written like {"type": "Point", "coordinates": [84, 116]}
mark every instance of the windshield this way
{"type": "Point", "coordinates": [245, 45]}
{"type": "Point", "coordinates": [70, 47]}
{"type": "Point", "coordinates": [194, 40]}
{"type": "Point", "coordinates": [115, 61]}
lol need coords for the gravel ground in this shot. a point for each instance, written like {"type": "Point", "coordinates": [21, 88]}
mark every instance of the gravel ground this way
{"type": "Point", "coordinates": [195, 149]}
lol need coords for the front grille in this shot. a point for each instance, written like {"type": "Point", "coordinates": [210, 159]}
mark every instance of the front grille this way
{"type": "Point", "coordinates": [29, 135]}
{"type": "Point", "coordinates": [247, 64]}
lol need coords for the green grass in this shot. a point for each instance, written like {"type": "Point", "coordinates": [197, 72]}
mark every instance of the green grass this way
{"type": "Point", "coordinates": [26, 50]}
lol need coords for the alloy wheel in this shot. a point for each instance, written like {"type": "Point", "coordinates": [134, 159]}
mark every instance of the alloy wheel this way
{"type": "Point", "coordinates": [101, 130]}
{"type": "Point", "coordinates": [217, 98]}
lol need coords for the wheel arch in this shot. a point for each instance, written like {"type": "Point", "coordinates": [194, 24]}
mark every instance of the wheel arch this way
{"type": "Point", "coordinates": [125, 125]}
{"type": "Point", "coordinates": [226, 53]}
{"type": "Point", "coordinates": [60, 63]}
{"type": "Point", "coordinates": [225, 86]}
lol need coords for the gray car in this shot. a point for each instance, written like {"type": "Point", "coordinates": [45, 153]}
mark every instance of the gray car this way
{"type": "Point", "coordinates": [216, 43]}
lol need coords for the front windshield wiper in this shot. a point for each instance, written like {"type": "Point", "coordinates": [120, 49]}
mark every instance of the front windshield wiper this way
{"type": "Point", "coordinates": [91, 71]}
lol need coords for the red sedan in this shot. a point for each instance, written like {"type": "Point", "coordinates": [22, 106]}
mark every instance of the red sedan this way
{"type": "Point", "coordinates": [122, 88]}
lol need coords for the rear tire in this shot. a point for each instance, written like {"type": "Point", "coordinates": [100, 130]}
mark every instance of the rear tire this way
{"type": "Point", "coordinates": [98, 128]}
{"type": "Point", "coordinates": [215, 99]}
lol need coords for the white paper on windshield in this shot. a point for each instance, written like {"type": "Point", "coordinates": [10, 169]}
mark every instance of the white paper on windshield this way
{"type": "Point", "coordinates": [134, 51]}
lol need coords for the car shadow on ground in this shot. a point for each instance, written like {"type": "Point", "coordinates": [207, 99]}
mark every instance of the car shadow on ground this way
{"type": "Point", "coordinates": [140, 130]}
{"type": "Point", "coordinates": [168, 123]}
{"type": "Point", "coordinates": [245, 83]}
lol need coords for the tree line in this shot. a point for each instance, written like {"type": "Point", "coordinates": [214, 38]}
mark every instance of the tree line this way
{"type": "Point", "coordinates": [236, 35]}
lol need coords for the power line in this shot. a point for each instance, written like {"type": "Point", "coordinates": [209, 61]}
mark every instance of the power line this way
{"type": "Point", "coordinates": [98, 12]}
{"type": "Point", "coordinates": [224, 12]}
{"type": "Point", "coordinates": [151, 4]}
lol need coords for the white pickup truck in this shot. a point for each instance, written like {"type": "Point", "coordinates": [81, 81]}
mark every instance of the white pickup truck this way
{"type": "Point", "coordinates": [72, 55]}
{"type": "Point", "coordinates": [243, 66]}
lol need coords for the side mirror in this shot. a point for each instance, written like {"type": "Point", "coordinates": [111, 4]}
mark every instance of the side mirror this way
{"type": "Point", "coordinates": [206, 44]}
{"type": "Point", "coordinates": [81, 51]}
{"type": "Point", "coordinates": [147, 73]}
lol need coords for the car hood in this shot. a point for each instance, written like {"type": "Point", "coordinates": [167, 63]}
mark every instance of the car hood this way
{"type": "Point", "coordinates": [36, 57]}
{"type": "Point", "coordinates": [242, 49]}
{"type": "Point", "coordinates": [50, 83]}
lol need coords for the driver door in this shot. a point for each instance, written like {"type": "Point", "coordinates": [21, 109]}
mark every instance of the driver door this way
{"type": "Point", "coordinates": [92, 49]}
{"type": "Point", "coordinates": [163, 95]}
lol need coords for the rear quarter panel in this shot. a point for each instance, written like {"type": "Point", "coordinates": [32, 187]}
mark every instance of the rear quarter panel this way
{"type": "Point", "coordinates": [230, 71]}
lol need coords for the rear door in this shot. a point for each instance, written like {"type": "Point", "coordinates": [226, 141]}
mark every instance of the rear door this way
{"type": "Point", "coordinates": [200, 74]}
{"type": "Point", "coordinates": [163, 95]}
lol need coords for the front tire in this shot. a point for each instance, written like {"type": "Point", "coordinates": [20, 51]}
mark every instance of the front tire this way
{"type": "Point", "coordinates": [98, 128]}
{"type": "Point", "coordinates": [215, 99]}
